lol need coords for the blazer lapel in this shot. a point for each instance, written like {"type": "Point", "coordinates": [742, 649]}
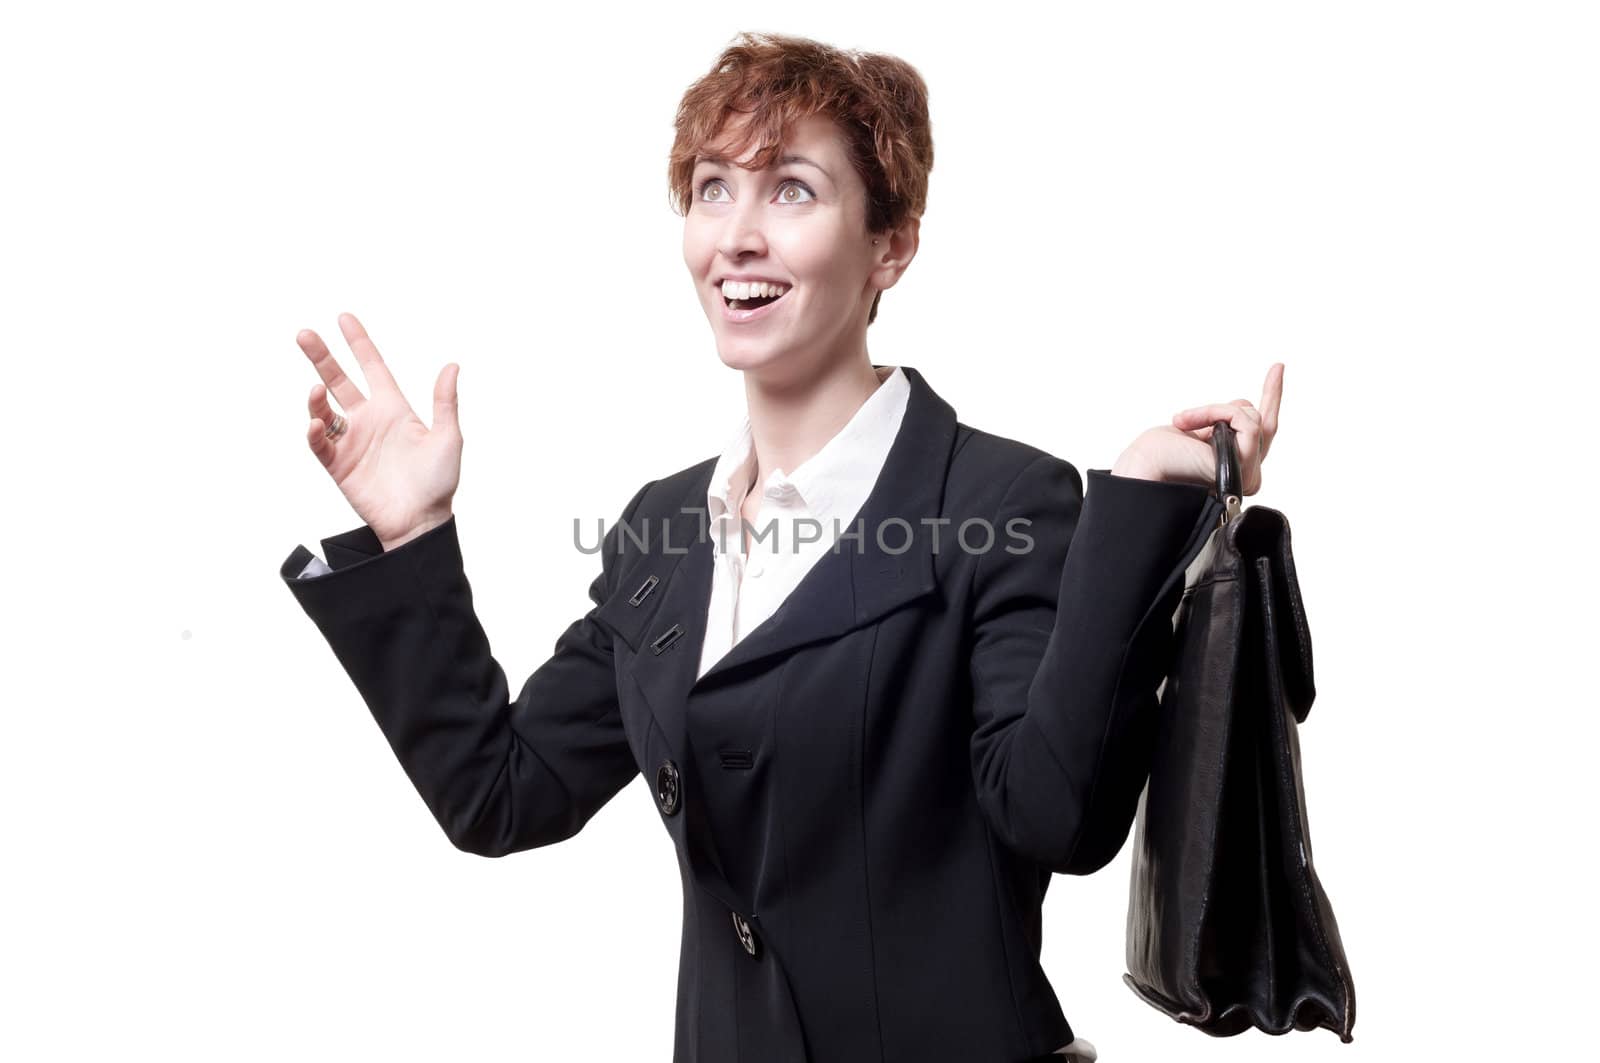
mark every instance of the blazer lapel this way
{"type": "Point", "coordinates": [844, 589]}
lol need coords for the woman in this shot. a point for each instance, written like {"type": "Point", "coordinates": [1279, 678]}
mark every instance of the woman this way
{"type": "Point", "coordinates": [872, 741]}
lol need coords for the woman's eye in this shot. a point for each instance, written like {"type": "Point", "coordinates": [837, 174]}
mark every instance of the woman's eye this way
{"type": "Point", "coordinates": [799, 186]}
{"type": "Point", "coordinates": [706, 187]}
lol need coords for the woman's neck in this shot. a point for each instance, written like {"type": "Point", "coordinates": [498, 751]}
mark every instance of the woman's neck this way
{"type": "Point", "coordinates": [789, 425]}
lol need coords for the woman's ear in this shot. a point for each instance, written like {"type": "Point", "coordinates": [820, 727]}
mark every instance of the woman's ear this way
{"type": "Point", "coordinates": [893, 251]}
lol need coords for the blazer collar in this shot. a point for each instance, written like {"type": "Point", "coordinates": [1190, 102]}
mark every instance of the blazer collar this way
{"type": "Point", "coordinates": [888, 565]}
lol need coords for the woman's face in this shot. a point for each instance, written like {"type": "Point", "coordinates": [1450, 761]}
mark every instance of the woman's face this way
{"type": "Point", "coordinates": [801, 224]}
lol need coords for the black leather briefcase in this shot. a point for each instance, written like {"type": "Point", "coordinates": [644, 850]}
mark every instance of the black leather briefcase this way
{"type": "Point", "coordinates": [1228, 925]}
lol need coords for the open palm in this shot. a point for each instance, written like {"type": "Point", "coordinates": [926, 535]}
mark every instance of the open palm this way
{"type": "Point", "coordinates": [397, 473]}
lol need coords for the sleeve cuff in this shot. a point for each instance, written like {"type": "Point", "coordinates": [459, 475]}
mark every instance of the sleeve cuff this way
{"type": "Point", "coordinates": [347, 551]}
{"type": "Point", "coordinates": [1144, 518]}
{"type": "Point", "coordinates": [314, 566]}
{"type": "Point", "coordinates": [1154, 491]}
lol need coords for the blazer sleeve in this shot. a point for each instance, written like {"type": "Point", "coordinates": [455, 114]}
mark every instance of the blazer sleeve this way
{"type": "Point", "coordinates": [1072, 637]}
{"type": "Point", "coordinates": [499, 775]}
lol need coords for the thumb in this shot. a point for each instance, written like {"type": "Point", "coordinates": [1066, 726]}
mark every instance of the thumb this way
{"type": "Point", "coordinates": [445, 400]}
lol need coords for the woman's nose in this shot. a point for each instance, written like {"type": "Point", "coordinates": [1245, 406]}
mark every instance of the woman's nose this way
{"type": "Point", "coordinates": [743, 232]}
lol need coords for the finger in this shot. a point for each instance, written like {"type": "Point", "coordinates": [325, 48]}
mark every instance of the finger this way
{"type": "Point", "coordinates": [1271, 392]}
{"type": "Point", "coordinates": [445, 401]}
{"type": "Point", "coordinates": [366, 353]}
{"type": "Point", "coordinates": [320, 444]}
{"type": "Point", "coordinates": [1199, 417]}
{"type": "Point", "coordinates": [1250, 441]}
{"type": "Point", "coordinates": [1199, 420]}
{"type": "Point", "coordinates": [1271, 396]}
{"type": "Point", "coordinates": [318, 406]}
{"type": "Point", "coordinates": [1244, 404]}
{"type": "Point", "coordinates": [327, 366]}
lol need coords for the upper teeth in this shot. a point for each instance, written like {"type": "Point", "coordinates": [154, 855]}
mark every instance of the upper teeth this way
{"type": "Point", "coordinates": [751, 290]}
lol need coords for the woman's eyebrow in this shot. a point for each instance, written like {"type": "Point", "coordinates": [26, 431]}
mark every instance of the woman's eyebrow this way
{"type": "Point", "coordinates": [801, 159]}
{"type": "Point", "coordinates": [723, 160]}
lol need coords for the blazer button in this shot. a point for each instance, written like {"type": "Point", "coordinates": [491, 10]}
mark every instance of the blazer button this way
{"type": "Point", "coordinates": [667, 787]}
{"type": "Point", "coordinates": [747, 937]}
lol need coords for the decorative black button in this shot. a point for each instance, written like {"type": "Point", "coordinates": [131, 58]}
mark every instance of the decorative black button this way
{"type": "Point", "coordinates": [643, 591]}
{"type": "Point", "coordinates": [747, 937]}
{"type": "Point", "coordinates": [667, 787]}
{"type": "Point", "coordinates": [736, 759]}
{"type": "Point", "coordinates": [667, 639]}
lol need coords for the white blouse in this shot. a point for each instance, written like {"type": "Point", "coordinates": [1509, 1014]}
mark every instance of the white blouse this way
{"type": "Point", "coordinates": [802, 513]}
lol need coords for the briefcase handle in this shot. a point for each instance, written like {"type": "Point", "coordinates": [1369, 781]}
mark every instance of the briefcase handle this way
{"type": "Point", "coordinates": [1228, 477]}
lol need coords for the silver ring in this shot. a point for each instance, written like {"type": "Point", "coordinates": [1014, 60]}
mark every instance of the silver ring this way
{"type": "Point", "coordinates": [336, 428]}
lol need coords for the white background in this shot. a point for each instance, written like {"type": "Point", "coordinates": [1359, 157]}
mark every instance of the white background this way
{"type": "Point", "coordinates": [1135, 208]}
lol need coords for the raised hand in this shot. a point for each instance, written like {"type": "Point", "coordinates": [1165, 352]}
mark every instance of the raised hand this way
{"type": "Point", "coordinates": [1181, 451]}
{"type": "Point", "coordinates": [397, 473]}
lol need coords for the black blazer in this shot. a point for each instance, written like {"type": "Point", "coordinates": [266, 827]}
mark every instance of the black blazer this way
{"type": "Point", "coordinates": [868, 794]}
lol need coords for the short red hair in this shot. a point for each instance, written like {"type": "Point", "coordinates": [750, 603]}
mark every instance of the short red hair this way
{"type": "Point", "coordinates": [880, 102]}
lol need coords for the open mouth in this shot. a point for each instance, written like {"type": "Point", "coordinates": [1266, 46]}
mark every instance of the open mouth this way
{"type": "Point", "coordinates": [753, 304]}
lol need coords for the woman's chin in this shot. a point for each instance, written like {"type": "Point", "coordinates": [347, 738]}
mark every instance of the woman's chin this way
{"type": "Point", "coordinates": [746, 355]}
